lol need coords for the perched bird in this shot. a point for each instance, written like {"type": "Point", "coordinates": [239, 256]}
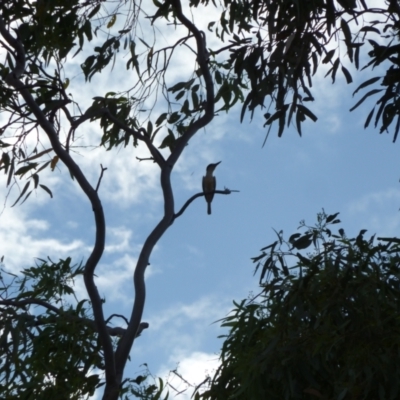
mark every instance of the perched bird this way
{"type": "Point", "coordinates": [209, 185]}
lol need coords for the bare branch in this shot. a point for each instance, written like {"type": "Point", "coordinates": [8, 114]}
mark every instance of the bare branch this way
{"type": "Point", "coordinates": [28, 302]}
{"type": "Point", "coordinates": [117, 315]}
{"type": "Point", "coordinates": [195, 196]}
{"type": "Point", "coordinates": [100, 177]}
{"type": "Point", "coordinates": [145, 159]}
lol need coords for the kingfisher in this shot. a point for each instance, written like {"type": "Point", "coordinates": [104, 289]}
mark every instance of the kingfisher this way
{"type": "Point", "coordinates": [209, 185]}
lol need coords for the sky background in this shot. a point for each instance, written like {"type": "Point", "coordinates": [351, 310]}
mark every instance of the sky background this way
{"type": "Point", "coordinates": [203, 262]}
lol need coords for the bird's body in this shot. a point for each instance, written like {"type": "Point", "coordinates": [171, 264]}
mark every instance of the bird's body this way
{"type": "Point", "coordinates": [209, 184]}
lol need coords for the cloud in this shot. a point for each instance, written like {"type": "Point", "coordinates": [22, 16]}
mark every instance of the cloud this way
{"type": "Point", "coordinates": [191, 370]}
{"type": "Point", "coordinates": [120, 239]}
{"type": "Point", "coordinates": [179, 331]}
{"type": "Point", "coordinates": [373, 200]}
{"type": "Point", "coordinates": [27, 238]}
{"type": "Point", "coordinates": [376, 211]}
{"type": "Point", "coordinates": [201, 311]}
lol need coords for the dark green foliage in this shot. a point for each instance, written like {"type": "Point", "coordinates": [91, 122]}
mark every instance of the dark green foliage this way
{"type": "Point", "coordinates": [326, 324]}
{"type": "Point", "coordinates": [50, 354]}
{"type": "Point", "coordinates": [277, 47]}
{"type": "Point", "coordinates": [49, 349]}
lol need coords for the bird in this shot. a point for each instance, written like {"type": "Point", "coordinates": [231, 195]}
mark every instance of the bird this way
{"type": "Point", "coordinates": [209, 184]}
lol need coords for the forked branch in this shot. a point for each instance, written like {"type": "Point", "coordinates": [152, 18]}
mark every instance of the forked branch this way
{"type": "Point", "coordinates": [126, 342]}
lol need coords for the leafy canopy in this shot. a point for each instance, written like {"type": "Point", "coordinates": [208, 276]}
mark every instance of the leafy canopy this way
{"type": "Point", "coordinates": [325, 324]}
{"type": "Point", "coordinates": [277, 47]}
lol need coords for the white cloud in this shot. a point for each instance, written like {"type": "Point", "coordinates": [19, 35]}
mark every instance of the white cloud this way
{"type": "Point", "coordinates": [379, 212]}
{"type": "Point", "coordinates": [202, 311]}
{"type": "Point", "coordinates": [27, 238]}
{"type": "Point", "coordinates": [120, 239]}
{"type": "Point", "coordinates": [374, 200]}
{"type": "Point", "coordinates": [191, 370]}
{"type": "Point", "coordinates": [181, 330]}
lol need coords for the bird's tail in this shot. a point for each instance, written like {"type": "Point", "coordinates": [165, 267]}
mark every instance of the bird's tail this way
{"type": "Point", "coordinates": [209, 208]}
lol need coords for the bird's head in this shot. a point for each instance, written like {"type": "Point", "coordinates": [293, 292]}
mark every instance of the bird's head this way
{"type": "Point", "coordinates": [211, 167]}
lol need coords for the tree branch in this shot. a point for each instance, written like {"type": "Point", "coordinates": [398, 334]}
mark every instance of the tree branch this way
{"type": "Point", "coordinates": [13, 79]}
{"type": "Point", "coordinates": [127, 340]}
{"type": "Point", "coordinates": [195, 196]}
{"type": "Point", "coordinates": [112, 331]}
{"type": "Point", "coordinates": [140, 135]}
{"type": "Point", "coordinates": [100, 177]}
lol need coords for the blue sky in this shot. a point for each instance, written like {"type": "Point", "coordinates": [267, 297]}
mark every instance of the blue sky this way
{"type": "Point", "coordinates": [203, 262]}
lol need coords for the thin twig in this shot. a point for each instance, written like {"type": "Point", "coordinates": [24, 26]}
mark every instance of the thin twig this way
{"type": "Point", "coordinates": [145, 159]}
{"type": "Point", "coordinates": [100, 177]}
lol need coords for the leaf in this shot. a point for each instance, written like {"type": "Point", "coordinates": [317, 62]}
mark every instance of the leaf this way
{"type": "Point", "coordinates": [26, 197]}
{"type": "Point", "coordinates": [368, 120]}
{"type": "Point", "coordinates": [43, 166]}
{"type": "Point", "coordinates": [145, 43]}
{"type": "Point", "coordinates": [218, 77]}
{"type": "Point", "coordinates": [195, 100]}
{"type": "Point", "coordinates": [357, 57]}
{"type": "Point", "coordinates": [180, 95]}
{"type": "Point", "coordinates": [303, 242]}
{"type": "Point", "coordinates": [46, 189]}
{"type": "Point", "coordinates": [271, 246]}
{"type": "Point", "coordinates": [396, 131]}
{"type": "Point", "coordinates": [370, 29]}
{"type": "Point", "coordinates": [5, 159]}
{"type": "Point", "coordinates": [367, 83]}
{"type": "Point", "coordinates": [347, 75]}
{"type": "Point", "coordinates": [266, 266]}
{"type": "Point", "coordinates": [185, 108]}
{"type": "Point", "coordinates": [178, 86]}
{"type": "Point", "coordinates": [22, 193]}
{"type": "Point", "coordinates": [169, 141]}
{"type": "Point", "coordinates": [273, 117]}
{"type": "Point", "coordinates": [299, 119]}
{"type": "Point", "coordinates": [334, 69]}
{"type": "Point", "coordinates": [372, 92]}
{"type": "Point", "coordinates": [35, 178]}
{"type": "Point", "coordinates": [315, 62]}
{"type": "Point", "coordinates": [304, 260]}
{"type": "Point", "coordinates": [181, 85]}
{"type": "Point", "coordinates": [331, 217]}
{"type": "Point", "coordinates": [54, 162]}
{"type": "Point", "coordinates": [11, 172]}
{"type": "Point", "coordinates": [307, 112]}
{"type": "Point", "coordinates": [347, 37]}
{"type": "Point", "coordinates": [249, 98]}
{"type": "Point", "coordinates": [2, 144]}
{"type": "Point", "coordinates": [328, 56]}
{"type": "Point", "coordinates": [38, 155]}
{"type": "Point", "coordinates": [149, 128]}
{"type": "Point", "coordinates": [161, 119]}
{"type": "Point", "coordinates": [293, 237]}
{"type": "Point", "coordinates": [112, 21]}
{"type": "Point", "coordinates": [23, 170]}
{"type": "Point", "coordinates": [94, 11]}
{"type": "Point", "coordinates": [149, 59]}
{"type": "Point", "coordinates": [174, 117]}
